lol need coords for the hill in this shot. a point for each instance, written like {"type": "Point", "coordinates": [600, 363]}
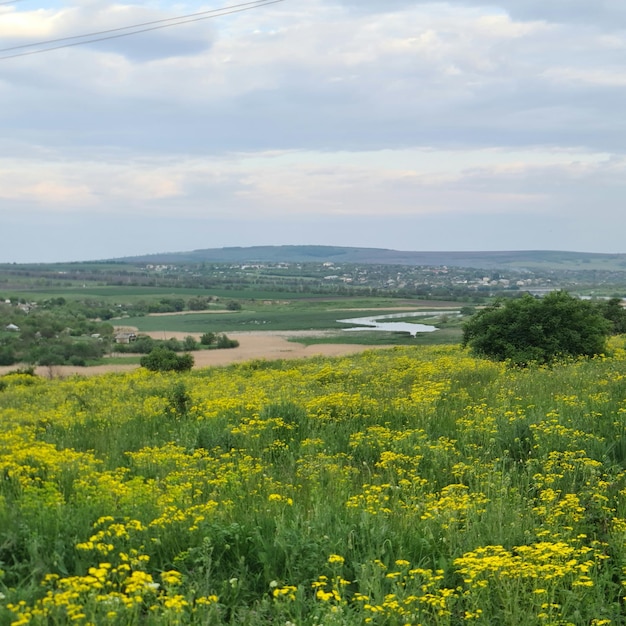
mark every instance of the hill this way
{"type": "Point", "coordinates": [519, 260]}
{"type": "Point", "coordinates": [409, 486]}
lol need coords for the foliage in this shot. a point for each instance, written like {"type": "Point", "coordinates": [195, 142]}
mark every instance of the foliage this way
{"type": "Point", "coordinates": [164, 360]}
{"type": "Point", "coordinates": [189, 343]}
{"type": "Point", "coordinates": [198, 303]}
{"type": "Point", "coordinates": [217, 340]}
{"type": "Point", "coordinates": [394, 487]}
{"type": "Point", "coordinates": [53, 332]}
{"type": "Point", "coordinates": [613, 311]}
{"type": "Point", "coordinates": [144, 344]}
{"type": "Point", "coordinates": [224, 342]}
{"type": "Point", "coordinates": [540, 330]}
{"type": "Point", "coordinates": [207, 339]}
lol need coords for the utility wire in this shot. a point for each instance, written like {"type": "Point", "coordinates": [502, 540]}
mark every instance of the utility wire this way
{"type": "Point", "coordinates": [254, 3]}
{"type": "Point", "coordinates": [134, 29]}
{"type": "Point", "coordinates": [9, 2]}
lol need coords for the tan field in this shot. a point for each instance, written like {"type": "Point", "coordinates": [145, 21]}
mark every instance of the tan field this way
{"type": "Point", "coordinates": [261, 345]}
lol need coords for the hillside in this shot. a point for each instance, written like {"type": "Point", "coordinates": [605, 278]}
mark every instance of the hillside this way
{"type": "Point", "coordinates": [404, 486]}
{"type": "Point", "coordinates": [520, 260]}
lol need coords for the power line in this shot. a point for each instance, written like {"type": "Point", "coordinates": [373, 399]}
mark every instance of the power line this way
{"type": "Point", "coordinates": [9, 2]}
{"type": "Point", "coordinates": [134, 29]}
{"type": "Point", "coordinates": [208, 13]}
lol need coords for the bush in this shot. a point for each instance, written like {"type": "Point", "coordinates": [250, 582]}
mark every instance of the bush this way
{"type": "Point", "coordinates": [527, 329]}
{"type": "Point", "coordinates": [7, 356]}
{"type": "Point", "coordinates": [207, 339]}
{"type": "Point", "coordinates": [189, 343]}
{"type": "Point", "coordinates": [164, 360]}
{"type": "Point", "coordinates": [224, 342]}
{"type": "Point", "coordinates": [142, 345]}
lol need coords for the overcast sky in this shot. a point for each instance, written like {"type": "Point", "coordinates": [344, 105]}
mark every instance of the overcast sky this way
{"type": "Point", "coordinates": [460, 125]}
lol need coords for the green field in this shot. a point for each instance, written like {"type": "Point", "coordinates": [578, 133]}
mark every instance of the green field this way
{"type": "Point", "coordinates": [443, 336]}
{"type": "Point", "coordinates": [304, 317]}
{"type": "Point", "coordinates": [76, 326]}
{"type": "Point", "coordinates": [131, 359]}
{"type": "Point", "coordinates": [133, 293]}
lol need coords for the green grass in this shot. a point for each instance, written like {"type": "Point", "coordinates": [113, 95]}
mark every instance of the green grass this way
{"type": "Point", "coordinates": [33, 290]}
{"type": "Point", "coordinates": [443, 336]}
{"type": "Point", "coordinates": [231, 322]}
{"type": "Point", "coordinates": [116, 360]}
{"type": "Point", "coordinates": [264, 318]}
{"type": "Point", "coordinates": [394, 487]}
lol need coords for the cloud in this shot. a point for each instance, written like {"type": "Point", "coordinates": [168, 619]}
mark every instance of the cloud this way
{"type": "Point", "coordinates": [24, 32]}
{"type": "Point", "coordinates": [605, 13]}
{"type": "Point", "coordinates": [435, 74]}
{"type": "Point", "coordinates": [320, 109]}
{"type": "Point", "coordinates": [275, 184]}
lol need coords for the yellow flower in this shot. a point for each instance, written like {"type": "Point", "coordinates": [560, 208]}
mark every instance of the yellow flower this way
{"type": "Point", "coordinates": [172, 578]}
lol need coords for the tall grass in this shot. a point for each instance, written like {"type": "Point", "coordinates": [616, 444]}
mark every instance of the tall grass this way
{"type": "Point", "coordinates": [407, 486]}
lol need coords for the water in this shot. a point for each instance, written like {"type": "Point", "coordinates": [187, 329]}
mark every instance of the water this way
{"type": "Point", "coordinates": [374, 323]}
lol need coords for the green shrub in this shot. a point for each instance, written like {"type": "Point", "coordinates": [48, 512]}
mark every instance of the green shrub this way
{"type": "Point", "coordinates": [224, 342]}
{"type": "Point", "coordinates": [528, 329]}
{"type": "Point", "coordinates": [164, 360]}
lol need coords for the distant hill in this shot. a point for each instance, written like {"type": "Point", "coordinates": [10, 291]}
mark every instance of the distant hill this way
{"type": "Point", "coordinates": [520, 260]}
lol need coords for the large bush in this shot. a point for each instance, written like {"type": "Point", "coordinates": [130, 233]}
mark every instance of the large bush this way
{"type": "Point", "coordinates": [165, 360]}
{"type": "Point", "coordinates": [529, 329]}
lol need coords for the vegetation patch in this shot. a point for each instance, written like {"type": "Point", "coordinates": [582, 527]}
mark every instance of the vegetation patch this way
{"type": "Point", "coordinates": [402, 486]}
{"type": "Point", "coordinates": [541, 330]}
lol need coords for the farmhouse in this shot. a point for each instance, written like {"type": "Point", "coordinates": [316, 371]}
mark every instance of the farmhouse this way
{"type": "Point", "coordinates": [125, 337]}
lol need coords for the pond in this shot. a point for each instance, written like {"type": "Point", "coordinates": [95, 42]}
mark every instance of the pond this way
{"type": "Point", "coordinates": [375, 323]}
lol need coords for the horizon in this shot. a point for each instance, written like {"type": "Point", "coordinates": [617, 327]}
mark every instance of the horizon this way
{"type": "Point", "coordinates": [139, 257]}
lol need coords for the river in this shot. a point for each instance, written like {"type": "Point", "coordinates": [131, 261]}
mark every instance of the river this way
{"type": "Point", "coordinates": [375, 323]}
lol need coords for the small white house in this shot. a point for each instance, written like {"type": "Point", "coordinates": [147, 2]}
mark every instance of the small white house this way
{"type": "Point", "coordinates": [125, 337]}
{"type": "Point", "coordinates": [12, 327]}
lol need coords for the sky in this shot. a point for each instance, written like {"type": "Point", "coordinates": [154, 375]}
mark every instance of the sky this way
{"type": "Point", "coordinates": [402, 124]}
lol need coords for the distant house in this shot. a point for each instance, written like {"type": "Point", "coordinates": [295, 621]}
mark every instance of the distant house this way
{"type": "Point", "coordinates": [12, 327]}
{"type": "Point", "coordinates": [125, 337]}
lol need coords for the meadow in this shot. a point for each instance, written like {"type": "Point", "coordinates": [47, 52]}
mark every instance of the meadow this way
{"type": "Point", "coordinates": [401, 486]}
{"type": "Point", "coordinates": [451, 334]}
{"type": "Point", "coordinates": [304, 315]}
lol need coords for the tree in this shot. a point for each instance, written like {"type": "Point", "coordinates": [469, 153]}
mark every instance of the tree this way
{"type": "Point", "coordinates": [164, 360]}
{"type": "Point", "coordinates": [197, 303]}
{"type": "Point", "coordinates": [207, 339]}
{"type": "Point", "coordinates": [526, 330]}
{"type": "Point", "coordinates": [225, 342]}
{"type": "Point", "coordinates": [7, 355]}
{"type": "Point", "coordinates": [614, 312]}
{"type": "Point", "coordinates": [189, 343]}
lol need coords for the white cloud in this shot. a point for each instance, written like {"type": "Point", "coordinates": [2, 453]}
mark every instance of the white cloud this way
{"type": "Point", "coordinates": [299, 184]}
{"type": "Point", "coordinates": [606, 13]}
{"type": "Point", "coordinates": [319, 108]}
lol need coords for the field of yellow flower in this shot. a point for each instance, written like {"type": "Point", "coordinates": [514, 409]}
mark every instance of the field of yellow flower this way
{"type": "Point", "coordinates": [400, 487]}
